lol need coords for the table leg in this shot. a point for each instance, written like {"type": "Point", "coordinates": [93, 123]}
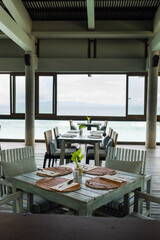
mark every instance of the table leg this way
{"type": "Point", "coordinates": [62, 153]}
{"type": "Point", "coordinates": [96, 154]}
{"type": "Point", "coordinates": [85, 212]}
{"type": "Point", "coordinates": [18, 203]}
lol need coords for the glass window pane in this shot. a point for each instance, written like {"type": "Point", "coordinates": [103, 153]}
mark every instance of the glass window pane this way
{"type": "Point", "coordinates": [20, 94]}
{"type": "Point", "coordinates": [45, 94]}
{"type": "Point", "coordinates": [5, 94]}
{"type": "Point", "coordinates": [136, 88]}
{"type": "Point", "coordinates": [158, 97]}
{"type": "Point", "coordinates": [95, 95]}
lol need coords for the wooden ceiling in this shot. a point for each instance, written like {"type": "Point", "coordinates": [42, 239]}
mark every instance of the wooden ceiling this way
{"type": "Point", "coordinates": [60, 10]}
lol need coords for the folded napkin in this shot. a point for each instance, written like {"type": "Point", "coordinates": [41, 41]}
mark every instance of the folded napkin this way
{"type": "Point", "coordinates": [64, 185]}
{"type": "Point", "coordinates": [113, 178]}
{"type": "Point", "coordinates": [96, 132]}
{"type": "Point", "coordinates": [73, 131]}
{"type": "Point", "coordinates": [69, 135]}
{"type": "Point", "coordinates": [95, 136]}
{"type": "Point", "coordinates": [48, 173]}
{"type": "Point", "coordinates": [88, 168]}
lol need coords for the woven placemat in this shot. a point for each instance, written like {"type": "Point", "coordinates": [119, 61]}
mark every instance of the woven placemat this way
{"type": "Point", "coordinates": [61, 170]}
{"type": "Point", "coordinates": [100, 171]}
{"type": "Point", "coordinates": [47, 183]}
{"type": "Point", "coordinates": [99, 183]}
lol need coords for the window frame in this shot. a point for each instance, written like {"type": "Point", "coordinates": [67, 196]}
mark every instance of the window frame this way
{"type": "Point", "coordinates": [54, 116]}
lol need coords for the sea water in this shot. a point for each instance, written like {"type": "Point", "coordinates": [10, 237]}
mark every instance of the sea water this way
{"type": "Point", "coordinates": [127, 131]}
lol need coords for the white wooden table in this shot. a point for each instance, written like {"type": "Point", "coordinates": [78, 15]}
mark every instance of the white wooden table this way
{"type": "Point", "coordinates": [84, 200]}
{"type": "Point", "coordinates": [81, 139]}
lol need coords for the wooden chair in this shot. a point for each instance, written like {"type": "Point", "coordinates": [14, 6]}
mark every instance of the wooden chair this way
{"type": "Point", "coordinates": [16, 162]}
{"type": "Point", "coordinates": [148, 198]}
{"type": "Point", "coordinates": [72, 126]}
{"type": "Point", "coordinates": [56, 152]}
{"type": "Point", "coordinates": [13, 197]}
{"type": "Point", "coordinates": [104, 127]}
{"type": "Point", "coordinates": [110, 142]}
{"type": "Point", "coordinates": [128, 160]}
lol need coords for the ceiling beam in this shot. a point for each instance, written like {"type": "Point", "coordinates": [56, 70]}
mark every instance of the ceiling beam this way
{"type": "Point", "coordinates": [156, 21]}
{"type": "Point", "coordinates": [90, 14]}
{"type": "Point", "coordinates": [14, 32]}
{"type": "Point", "coordinates": [19, 13]}
{"type": "Point", "coordinates": [94, 34]}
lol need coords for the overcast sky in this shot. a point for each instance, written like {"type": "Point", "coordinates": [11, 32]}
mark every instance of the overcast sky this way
{"type": "Point", "coordinates": [100, 89]}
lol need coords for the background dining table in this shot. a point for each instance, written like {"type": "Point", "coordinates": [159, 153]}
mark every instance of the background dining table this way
{"type": "Point", "coordinates": [84, 139]}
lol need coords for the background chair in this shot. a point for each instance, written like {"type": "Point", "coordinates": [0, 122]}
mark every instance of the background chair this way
{"type": "Point", "coordinates": [19, 161]}
{"type": "Point", "coordinates": [107, 142]}
{"type": "Point", "coordinates": [72, 126]}
{"type": "Point", "coordinates": [128, 160]}
{"type": "Point", "coordinates": [52, 152]}
{"type": "Point", "coordinates": [104, 127]}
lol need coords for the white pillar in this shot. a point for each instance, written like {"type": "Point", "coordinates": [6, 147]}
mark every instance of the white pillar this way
{"type": "Point", "coordinates": [30, 99]}
{"type": "Point", "coordinates": [151, 118]}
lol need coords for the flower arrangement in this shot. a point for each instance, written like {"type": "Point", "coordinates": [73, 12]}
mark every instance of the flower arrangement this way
{"type": "Point", "coordinates": [89, 119]}
{"type": "Point", "coordinates": [77, 156]}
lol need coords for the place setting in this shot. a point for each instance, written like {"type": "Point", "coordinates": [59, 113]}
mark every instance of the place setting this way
{"type": "Point", "coordinates": [54, 171]}
{"type": "Point", "coordinates": [97, 170]}
{"type": "Point", "coordinates": [58, 184]}
{"type": "Point", "coordinates": [106, 182]}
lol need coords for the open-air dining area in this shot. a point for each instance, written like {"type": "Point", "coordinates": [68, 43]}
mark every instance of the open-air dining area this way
{"type": "Point", "coordinates": [79, 119]}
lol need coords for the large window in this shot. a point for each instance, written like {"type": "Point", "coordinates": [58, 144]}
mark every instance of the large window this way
{"type": "Point", "coordinates": [20, 94]}
{"type": "Point", "coordinates": [91, 95]}
{"type": "Point", "coordinates": [45, 94]}
{"type": "Point", "coordinates": [4, 94]}
{"type": "Point", "coordinates": [136, 94]}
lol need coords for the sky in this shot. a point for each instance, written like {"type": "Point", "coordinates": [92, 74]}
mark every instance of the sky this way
{"type": "Point", "coordinates": [100, 89]}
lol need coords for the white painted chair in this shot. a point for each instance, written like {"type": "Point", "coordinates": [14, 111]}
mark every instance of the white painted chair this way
{"type": "Point", "coordinates": [148, 198]}
{"type": "Point", "coordinates": [128, 160]}
{"type": "Point", "coordinates": [19, 161]}
{"type": "Point", "coordinates": [13, 197]}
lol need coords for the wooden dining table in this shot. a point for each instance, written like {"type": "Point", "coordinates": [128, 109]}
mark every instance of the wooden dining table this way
{"type": "Point", "coordinates": [84, 139]}
{"type": "Point", "coordinates": [86, 199]}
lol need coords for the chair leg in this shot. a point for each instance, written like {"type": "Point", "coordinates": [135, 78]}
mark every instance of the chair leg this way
{"type": "Point", "coordinates": [44, 162]}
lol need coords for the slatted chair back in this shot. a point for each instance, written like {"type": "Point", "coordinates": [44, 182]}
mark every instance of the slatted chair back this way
{"type": "Point", "coordinates": [119, 157]}
{"type": "Point", "coordinates": [48, 138]}
{"type": "Point", "coordinates": [114, 137]}
{"type": "Point", "coordinates": [17, 154]}
{"type": "Point", "coordinates": [9, 156]}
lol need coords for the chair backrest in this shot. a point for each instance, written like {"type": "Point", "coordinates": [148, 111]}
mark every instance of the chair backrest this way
{"type": "Point", "coordinates": [72, 126]}
{"type": "Point", "coordinates": [129, 160]}
{"type": "Point", "coordinates": [110, 132]}
{"type": "Point", "coordinates": [104, 127]}
{"type": "Point", "coordinates": [56, 135]}
{"type": "Point", "coordinates": [17, 161]}
{"type": "Point", "coordinates": [48, 138]}
{"type": "Point", "coordinates": [114, 137]}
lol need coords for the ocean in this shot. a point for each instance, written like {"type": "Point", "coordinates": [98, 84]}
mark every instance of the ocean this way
{"type": "Point", "coordinates": [127, 131]}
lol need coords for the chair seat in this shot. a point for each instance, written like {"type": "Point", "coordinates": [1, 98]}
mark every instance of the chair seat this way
{"type": "Point", "coordinates": [116, 207]}
{"type": "Point", "coordinates": [40, 204]}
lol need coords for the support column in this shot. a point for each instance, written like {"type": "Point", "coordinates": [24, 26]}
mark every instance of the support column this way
{"type": "Point", "coordinates": [151, 118]}
{"type": "Point", "coordinates": [30, 99]}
